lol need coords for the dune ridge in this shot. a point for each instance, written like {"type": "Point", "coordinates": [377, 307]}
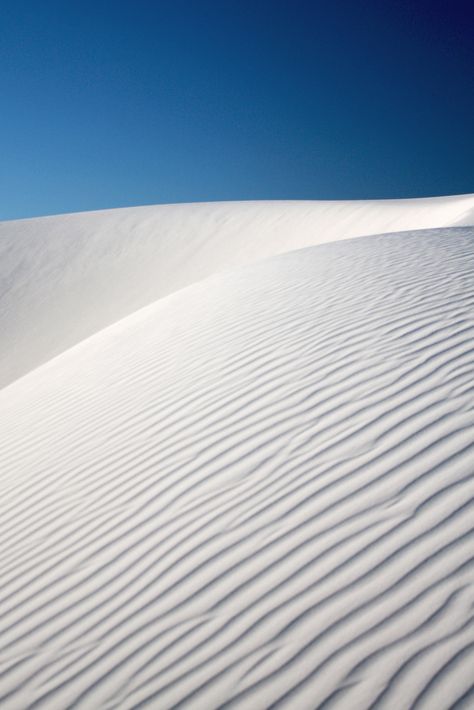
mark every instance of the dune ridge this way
{"type": "Point", "coordinates": [65, 278]}
{"type": "Point", "coordinates": [256, 491]}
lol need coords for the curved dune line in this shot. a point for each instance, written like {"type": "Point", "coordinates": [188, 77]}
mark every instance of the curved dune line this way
{"type": "Point", "coordinates": [67, 277]}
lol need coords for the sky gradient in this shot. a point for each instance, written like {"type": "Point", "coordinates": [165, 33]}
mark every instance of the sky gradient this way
{"type": "Point", "coordinates": [112, 104]}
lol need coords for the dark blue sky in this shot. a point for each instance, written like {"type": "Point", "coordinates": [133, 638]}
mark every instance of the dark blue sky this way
{"type": "Point", "coordinates": [110, 103]}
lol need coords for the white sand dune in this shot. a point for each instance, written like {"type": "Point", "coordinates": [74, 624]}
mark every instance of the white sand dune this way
{"type": "Point", "coordinates": [254, 492]}
{"type": "Point", "coordinates": [64, 278]}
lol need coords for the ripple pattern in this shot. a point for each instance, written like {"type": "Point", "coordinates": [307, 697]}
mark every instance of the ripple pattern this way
{"type": "Point", "coordinates": [256, 492]}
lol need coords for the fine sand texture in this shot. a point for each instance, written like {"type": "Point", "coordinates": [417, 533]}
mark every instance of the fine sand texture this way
{"type": "Point", "coordinates": [254, 492]}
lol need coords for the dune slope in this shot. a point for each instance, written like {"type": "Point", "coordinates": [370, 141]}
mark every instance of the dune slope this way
{"type": "Point", "coordinates": [64, 278]}
{"type": "Point", "coordinates": [255, 492]}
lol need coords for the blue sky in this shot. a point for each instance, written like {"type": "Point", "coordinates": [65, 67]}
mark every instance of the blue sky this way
{"type": "Point", "coordinates": [109, 103]}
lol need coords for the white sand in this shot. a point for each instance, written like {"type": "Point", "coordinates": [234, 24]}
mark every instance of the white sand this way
{"type": "Point", "coordinates": [255, 492]}
{"type": "Point", "coordinates": [64, 278]}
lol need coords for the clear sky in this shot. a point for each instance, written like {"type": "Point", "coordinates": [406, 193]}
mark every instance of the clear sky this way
{"type": "Point", "coordinates": [111, 103]}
